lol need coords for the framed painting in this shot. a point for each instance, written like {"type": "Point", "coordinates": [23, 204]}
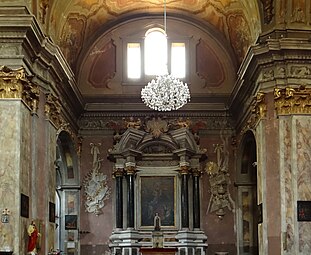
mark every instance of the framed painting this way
{"type": "Point", "coordinates": [158, 196]}
{"type": "Point", "coordinates": [24, 206]}
{"type": "Point", "coordinates": [304, 210]}
{"type": "Point", "coordinates": [71, 222]}
{"type": "Point", "coordinates": [51, 212]}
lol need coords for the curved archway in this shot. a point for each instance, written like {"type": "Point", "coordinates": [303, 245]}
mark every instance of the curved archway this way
{"type": "Point", "coordinates": [67, 193]}
{"type": "Point", "coordinates": [247, 216]}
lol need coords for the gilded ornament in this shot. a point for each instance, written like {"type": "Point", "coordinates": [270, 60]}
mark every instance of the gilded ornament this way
{"type": "Point", "coordinates": [52, 110]}
{"type": "Point", "coordinates": [291, 100]}
{"type": "Point", "coordinates": [14, 83]}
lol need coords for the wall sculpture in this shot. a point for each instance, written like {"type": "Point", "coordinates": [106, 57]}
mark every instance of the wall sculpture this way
{"type": "Point", "coordinates": [95, 185]}
{"type": "Point", "coordinates": [219, 180]}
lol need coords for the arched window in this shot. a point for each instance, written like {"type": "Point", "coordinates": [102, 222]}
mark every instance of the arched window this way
{"type": "Point", "coordinates": [155, 55]}
{"type": "Point", "coordinates": [155, 52]}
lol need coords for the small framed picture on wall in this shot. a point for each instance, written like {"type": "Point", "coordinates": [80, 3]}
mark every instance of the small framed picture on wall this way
{"type": "Point", "coordinates": [51, 212]}
{"type": "Point", "coordinates": [24, 206]}
{"type": "Point", "coordinates": [71, 222]}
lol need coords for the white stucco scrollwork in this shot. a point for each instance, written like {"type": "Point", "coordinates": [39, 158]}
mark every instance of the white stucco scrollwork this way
{"type": "Point", "coordinates": [95, 185]}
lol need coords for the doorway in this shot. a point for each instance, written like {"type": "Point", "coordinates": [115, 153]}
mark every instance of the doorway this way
{"type": "Point", "coordinates": [247, 213]}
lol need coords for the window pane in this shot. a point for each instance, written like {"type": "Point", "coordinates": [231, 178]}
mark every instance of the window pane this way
{"type": "Point", "coordinates": [178, 60]}
{"type": "Point", "coordinates": [133, 60]}
{"type": "Point", "coordinates": [155, 53]}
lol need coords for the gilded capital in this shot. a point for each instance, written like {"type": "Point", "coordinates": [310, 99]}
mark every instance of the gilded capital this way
{"type": "Point", "coordinates": [258, 111]}
{"type": "Point", "coordinates": [52, 110]}
{"type": "Point", "coordinates": [118, 172]}
{"type": "Point", "coordinates": [196, 171]}
{"type": "Point", "coordinates": [130, 170]}
{"type": "Point", "coordinates": [292, 100]}
{"type": "Point", "coordinates": [15, 84]}
{"type": "Point", "coordinates": [184, 169]}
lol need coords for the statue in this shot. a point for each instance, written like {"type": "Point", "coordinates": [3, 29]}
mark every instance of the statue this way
{"type": "Point", "coordinates": [157, 222]}
{"type": "Point", "coordinates": [33, 237]}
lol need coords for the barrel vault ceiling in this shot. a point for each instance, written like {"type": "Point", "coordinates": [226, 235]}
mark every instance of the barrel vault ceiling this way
{"type": "Point", "coordinates": [235, 24]}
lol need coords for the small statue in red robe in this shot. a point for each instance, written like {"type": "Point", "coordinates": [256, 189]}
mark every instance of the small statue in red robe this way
{"type": "Point", "coordinates": [33, 237]}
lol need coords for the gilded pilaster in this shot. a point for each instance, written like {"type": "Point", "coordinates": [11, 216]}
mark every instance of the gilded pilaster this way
{"type": "Point", "coordinates": [15, 84]}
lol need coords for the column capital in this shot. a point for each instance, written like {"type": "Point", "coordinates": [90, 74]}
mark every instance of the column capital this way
{"type": "Point", "coordinates": [184, 169]}
{"type": "Point", "coordinates": [196, 171]}
{"type": "Point", "coordinates": [118, 172]}
{"type": "Point", "coordinates": [130, 169]}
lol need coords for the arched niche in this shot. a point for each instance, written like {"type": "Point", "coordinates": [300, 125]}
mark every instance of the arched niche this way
{"type": "Point", "coordinates": [67, 191]}
{"type": "Point", "coordinates": [248, 216]}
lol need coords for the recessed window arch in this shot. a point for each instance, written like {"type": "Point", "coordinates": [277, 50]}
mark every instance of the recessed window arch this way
{"type": "Point", "coordinates": [155, 54]}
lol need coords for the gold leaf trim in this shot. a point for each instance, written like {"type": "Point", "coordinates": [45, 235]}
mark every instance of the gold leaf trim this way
{"type": "Point", "coordinates": [52, 110]}
{"type": "Point", "coordinates": [15, 84]}
{"type": "Point", "coordinates": [291, 100]}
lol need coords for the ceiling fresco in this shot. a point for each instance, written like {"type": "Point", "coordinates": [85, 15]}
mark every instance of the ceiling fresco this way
{"type": "Point", "coordinates": [237, 20]}
{"type": "Point", "coordinates": [79, 28]}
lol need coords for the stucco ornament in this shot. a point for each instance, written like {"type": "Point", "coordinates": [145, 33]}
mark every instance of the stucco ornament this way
{"type": "Point", "coordinates": [219, 180]}
{"type": "Point", "coordinates": [95, 185]}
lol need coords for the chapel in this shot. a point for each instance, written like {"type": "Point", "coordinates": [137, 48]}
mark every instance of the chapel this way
{"type": "Point", "coordinates": [155, 127]}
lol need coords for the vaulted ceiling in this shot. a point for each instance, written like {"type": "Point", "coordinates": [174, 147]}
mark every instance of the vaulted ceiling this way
{"type": "Point", "coordinates": [235, 25]}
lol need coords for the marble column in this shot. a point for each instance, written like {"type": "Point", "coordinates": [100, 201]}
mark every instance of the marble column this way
{"type": "Point", "coordinates": [118, 174]}
{"type": "Point", "coordinates": [130, 171]}
{"type": "Point", "coordinates": [196, 198]}
{"type": "Point", "coordinates": [184, 197]}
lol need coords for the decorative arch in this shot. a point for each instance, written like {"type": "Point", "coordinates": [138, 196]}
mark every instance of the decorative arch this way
{"type": "Point", "coordinates": [67, 190]}
{"type": "Point", "coordinates": [249, 210]}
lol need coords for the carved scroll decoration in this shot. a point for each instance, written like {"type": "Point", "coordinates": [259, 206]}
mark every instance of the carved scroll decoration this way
{"type": "Point", "coordinates": [52, 110]}
{"type": "Point", "coordinates": [292, 100]}
{"type": "Point", "coordinates": [95, 185]}
{"type": "Point", "coordinates": [219, 179]}
{"type": "Point", "coordinates": [258, 111]}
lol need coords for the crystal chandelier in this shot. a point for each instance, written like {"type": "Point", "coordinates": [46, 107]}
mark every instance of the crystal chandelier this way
{"type": "Point", "coordinates": [165, 93]}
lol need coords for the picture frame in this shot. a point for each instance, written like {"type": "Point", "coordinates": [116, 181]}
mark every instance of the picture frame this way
{"type": "Point", "coordinates": [304, 210]}
{"type": "Point", "coordinates": [157, 195]}
{"type": "Point", "coordinates": [259, 214]}
{"type": "Point", "coordinates": [51, 212]}
{"type": "Point", "coordinates": [24, 210]}
{"type": "Point", "coordinates": [71, 222]}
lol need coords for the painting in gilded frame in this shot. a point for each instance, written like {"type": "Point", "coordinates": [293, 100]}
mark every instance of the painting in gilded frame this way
{"type": "Point", "coordinates": [158, 196]}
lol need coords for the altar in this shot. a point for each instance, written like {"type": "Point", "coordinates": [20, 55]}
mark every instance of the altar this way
{"type": "Point", "coordinates": [158, 251]}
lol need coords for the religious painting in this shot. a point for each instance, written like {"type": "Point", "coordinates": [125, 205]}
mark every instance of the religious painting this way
{"type": "Point", "coordinates": [51, 212]}
{"type": "Point", "coordinates": [24, 206]}
{"type": "Point", "coordinates": [304, 210]}
{"type": "Point", "coordinates": [71, 222]}
{"type": "Point", "coordinates": [158, 197]}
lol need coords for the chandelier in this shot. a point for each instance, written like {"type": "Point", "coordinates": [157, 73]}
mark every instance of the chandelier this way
{"type": "Point", "coordinates": [165, 93]}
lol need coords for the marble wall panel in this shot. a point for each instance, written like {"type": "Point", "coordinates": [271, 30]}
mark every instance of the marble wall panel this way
{"type": "Point", "coordinates": [287, 184]}
{"type": "Point", "coordinates": [13, 168]}
{"type": "Point", "coordinates": [303, 147]}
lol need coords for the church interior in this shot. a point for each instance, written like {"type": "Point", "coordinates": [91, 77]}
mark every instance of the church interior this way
{"type": "Point", "coordinates": [89, 167]}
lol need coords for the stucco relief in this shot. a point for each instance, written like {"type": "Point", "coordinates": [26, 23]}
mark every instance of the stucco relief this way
{"type": "Point", "coordinates": [298, 11]}
{"type": "Point", "coordinates": [219, 179]}
{"type": "Point", "coordinates": [95, 185]}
